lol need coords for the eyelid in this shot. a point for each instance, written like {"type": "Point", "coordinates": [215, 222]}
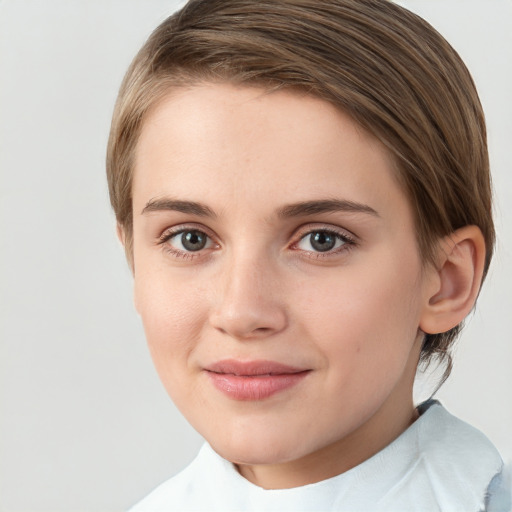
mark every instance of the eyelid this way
{"type": "Point", "coordinates": [169, 232]}
{"type": "Point", "coordinates": [347, 236]}
{"type": "Point", "coordinates": [173, 231]}
{"type": "Point", "coordinates": [300, 233]}
{"type": "Point", "coordinates": [307, 229]}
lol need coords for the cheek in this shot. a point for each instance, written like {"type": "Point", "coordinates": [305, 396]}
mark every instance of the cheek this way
{"type": "Point", "coordinates": [171, 313]}
{"type": "Point", "coordinates": [365, 315]}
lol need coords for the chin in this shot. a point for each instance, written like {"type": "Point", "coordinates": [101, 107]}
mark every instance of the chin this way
{"type": "Point", "coordinates": [259, 448]}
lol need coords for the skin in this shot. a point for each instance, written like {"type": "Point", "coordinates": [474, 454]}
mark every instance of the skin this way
{"type": "Point", "coordinates": [260, 290]}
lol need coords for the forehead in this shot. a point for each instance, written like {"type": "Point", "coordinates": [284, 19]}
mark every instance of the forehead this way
{"type": "Point", "coordinates": [224, 143]}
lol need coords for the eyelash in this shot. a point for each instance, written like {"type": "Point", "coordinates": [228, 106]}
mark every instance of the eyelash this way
{"type": "Point", "coordinates": [349, 242]}
{"type": "Point", "coordinates": [173, 232]}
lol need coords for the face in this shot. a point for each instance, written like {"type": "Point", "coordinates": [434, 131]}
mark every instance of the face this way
{"type": "Point", "coordinates": [276, 272]}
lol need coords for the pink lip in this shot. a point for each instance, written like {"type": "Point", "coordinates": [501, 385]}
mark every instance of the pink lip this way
{"type": "Point", "coordinates": [253, 380]}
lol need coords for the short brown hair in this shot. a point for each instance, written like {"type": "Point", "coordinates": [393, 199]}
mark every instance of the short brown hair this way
{"type": "Point", "coordinates": [386, 67]}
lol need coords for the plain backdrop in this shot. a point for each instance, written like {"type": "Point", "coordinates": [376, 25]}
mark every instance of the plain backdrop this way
{"type": "Point", "coordinates": [84, 423]}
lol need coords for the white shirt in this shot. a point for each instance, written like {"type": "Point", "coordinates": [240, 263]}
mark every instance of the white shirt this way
{"type": "Point", "coordinates": [439, 463]}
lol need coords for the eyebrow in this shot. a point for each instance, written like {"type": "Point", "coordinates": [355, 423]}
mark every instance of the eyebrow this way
{"type": "Point", "coordinates": [300, 209]}
{"type": "Point", "coordinates": [168, 204]}
{"type": "Point", "coordinates": [324, 206]}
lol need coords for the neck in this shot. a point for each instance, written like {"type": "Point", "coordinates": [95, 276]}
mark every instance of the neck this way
{"type": "Point", "coordinates": [335, 458]}
{"type": "Point", "coordinates": [394, 416]}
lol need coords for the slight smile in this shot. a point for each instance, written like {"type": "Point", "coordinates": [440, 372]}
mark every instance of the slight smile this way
{"type": "Point", "coordinates": [253, 380]}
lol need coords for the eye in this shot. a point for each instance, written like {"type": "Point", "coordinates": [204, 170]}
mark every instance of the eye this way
{"type": "Point", "coordinates": [189, 240]}
{"type": "Point", "coordinates": [322, 241]}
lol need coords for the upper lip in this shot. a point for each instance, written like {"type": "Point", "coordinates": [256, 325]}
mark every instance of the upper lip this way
{"type": "Point", "coordinates": [252, 368]}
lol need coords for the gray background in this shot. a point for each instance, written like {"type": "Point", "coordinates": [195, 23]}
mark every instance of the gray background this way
{"type": "Point", "coordinates": [84, 423]}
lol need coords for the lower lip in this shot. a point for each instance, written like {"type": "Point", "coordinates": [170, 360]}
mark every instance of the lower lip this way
{"type": "Point", "coordinates": [255, 387]}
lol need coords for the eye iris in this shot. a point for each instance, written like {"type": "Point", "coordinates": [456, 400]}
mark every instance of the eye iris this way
{"type": "Point", "coordinates": [322, 241]}
{"type": "Point", "coordinates": [193, 240]}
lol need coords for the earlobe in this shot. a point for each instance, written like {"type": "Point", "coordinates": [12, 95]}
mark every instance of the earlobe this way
{"type": "Point", "coordinates": [120, 233]}
{"type": "Point", "coordinates": [459, 275]}
{"type": "Point", "coordinates": [122, 238]}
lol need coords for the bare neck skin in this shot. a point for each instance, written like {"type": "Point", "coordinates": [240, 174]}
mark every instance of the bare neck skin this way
{"type": "Point", "coordinates": [391, 420]}
{"type": "Point", "coordinates": [270, 232]}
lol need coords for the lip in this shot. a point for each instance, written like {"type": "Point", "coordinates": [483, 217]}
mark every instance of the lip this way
{"type": "Point", "coordinates": [253, 380]}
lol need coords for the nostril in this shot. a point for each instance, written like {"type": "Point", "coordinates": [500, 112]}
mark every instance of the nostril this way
{"type": "Point", "coordinates": [247, 327]}
{"type": "Point", "coordinates": [246, 313]}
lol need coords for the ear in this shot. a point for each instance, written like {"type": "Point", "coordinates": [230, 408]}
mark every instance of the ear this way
{"type": "Point", "coordinates": [120, 233]}
{"type": "Point", "coordinates": [459, 271]}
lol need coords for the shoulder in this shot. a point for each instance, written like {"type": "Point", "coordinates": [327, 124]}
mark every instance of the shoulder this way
{"type": "Point", "coordinates": [180, 492]}
{"type": "Point", "coordinates": [449, 442]}
{"type": "Point", "coordinates": [440, 463]}
{"type": "Point", "coordinates": [459, 462]}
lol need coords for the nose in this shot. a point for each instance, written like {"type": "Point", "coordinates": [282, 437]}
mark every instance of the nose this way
{"type": "Point", "coordinates": [249, 304]}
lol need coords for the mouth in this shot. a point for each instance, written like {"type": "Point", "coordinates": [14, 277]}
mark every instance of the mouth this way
{"type": "Point", "coordinates": [253, 380]}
